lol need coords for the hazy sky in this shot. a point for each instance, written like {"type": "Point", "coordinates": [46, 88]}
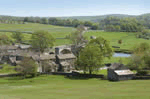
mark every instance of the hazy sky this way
{"type": "Point", "coordinates": [73, 7]}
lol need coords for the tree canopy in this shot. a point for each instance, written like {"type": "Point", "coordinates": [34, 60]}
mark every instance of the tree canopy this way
{"type": "Point", "coordinates": [90, 58]}
{"type": "Point", "coordinates": [42, 40]}
{"type": "Point", "coordinates": [104, 46]}
{"type": "Point", "coordinates": [18, 36]}
{"type": "Point", "coordinates": [4, 40]}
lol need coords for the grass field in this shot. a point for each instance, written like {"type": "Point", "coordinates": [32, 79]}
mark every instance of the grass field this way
{"type": "Point", "coordinates": [56, 31]}
{"type": "Point", "coordinates": [56, 87]}
{"type": "Point", "coordinates": [129, 40]}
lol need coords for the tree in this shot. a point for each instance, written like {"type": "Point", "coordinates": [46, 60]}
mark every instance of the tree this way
{"type": "Point", "coordinates": [26, 19]}
{"type": "Point", "coordinates": [42, 40]}
{"type": "Point", "coordinates": [28, 66]}
{"type": "Point", "coordinates": [44, 21]}
{"type": "Point", "coordinates": [18, 36]}
{"type": "Point", "coordinates": [4, 40]}
{"type": "Point", "coordinates": [140, 58]}
{"type": "Point", "coordinates": [141, 48]}
{"type": "Point", "coordinates": [104, 46]}
{"type": "Point", "coordinates": [90, 58]}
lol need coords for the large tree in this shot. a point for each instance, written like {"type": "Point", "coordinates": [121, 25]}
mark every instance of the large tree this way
{"type": "Point", "coordinates": [4, 40]}
{"type": "Point", "coordinates": [42, 40]}
{"type": "Point", "coordinates": [104, 46]}
{"type": "Point", "coordinates": [28, 66]}
{"type": "Point", "coordinates": [18, 36]}
{"type": "Point", "coordinates": [90, 58]}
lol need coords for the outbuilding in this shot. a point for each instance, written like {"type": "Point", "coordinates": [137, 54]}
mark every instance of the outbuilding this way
{"type": "Point", "coordinates": [118, 72]}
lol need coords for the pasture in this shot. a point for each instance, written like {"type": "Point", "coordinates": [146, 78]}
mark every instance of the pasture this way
{"type": "Point", "coordinates": [56, 31]}
{"type": "Point", "coordinates": [56, 87]}
{"type": "Point", "coordinates": [129, 40]}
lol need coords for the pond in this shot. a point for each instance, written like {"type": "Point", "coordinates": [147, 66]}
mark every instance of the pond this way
{"type": "Point", "coordinates": [121, 55]}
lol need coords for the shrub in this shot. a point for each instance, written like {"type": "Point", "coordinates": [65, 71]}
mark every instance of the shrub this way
{"type": "Point", "coordinates": [142, 72]}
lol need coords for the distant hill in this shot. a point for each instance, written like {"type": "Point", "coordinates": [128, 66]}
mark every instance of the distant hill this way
{"type": "Point", "coordinates": [97, 18]}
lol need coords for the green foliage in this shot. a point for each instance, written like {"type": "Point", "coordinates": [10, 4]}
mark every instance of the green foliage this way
{"type": "Point", "coordinates": [141, 48]}
{"type": "Point", "coordinates": [136, 63]}
{"type": "Point", "coordinates": [18, 36]}
{"type": "Point", "coordinates": [4, 40]}
{"type": "Point", "coordinates": [90, 58]}
{"type": "Point", "coordinates": [28, 66]}
{"type": "Point", "coordinates": [77, 37]}
{"type": "Point", "coordinates": [141, 58]}
{"type": "Point", "coordinates": [42, 40]}
{"type": "Point", "coordinates": [104, 46]}
{"type": "Point", "coordinates": [142, 72]}
{"type": "Point", "coordinates": [7, 69]}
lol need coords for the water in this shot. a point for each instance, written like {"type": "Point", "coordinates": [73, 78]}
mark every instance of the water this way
{"type": "Point", "coordinates": [121, 55]}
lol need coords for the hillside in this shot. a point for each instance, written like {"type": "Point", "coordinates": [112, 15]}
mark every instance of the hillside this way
{"type": "Point", "coordinates": [56, 31]}
{"type": "Point", "coordinates": [84, 18]}
{"type": "Point", "coordinates": [96, 18]}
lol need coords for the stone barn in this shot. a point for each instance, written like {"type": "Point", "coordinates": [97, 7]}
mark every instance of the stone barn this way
{"type": "Point", "coordinates": [118, 72]}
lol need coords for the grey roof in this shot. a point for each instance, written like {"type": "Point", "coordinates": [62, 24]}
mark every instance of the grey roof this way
{"type": "Point", "coordinates": [66, 56]}
{"type": "Point", "coordinates": [64, 63]}
{"type": "Point", "coordinates": [123, 72]}
{"type": "Point", "coordinates": [117, 66]}
{"type": "Point", "coordinates": [23, 46]}
{"type": "Point", "coordinates": [51, 63]}
{"type": "Point", "coordinates": [43, 57]}
{"type": "Point", "coordinates": [7, 47]}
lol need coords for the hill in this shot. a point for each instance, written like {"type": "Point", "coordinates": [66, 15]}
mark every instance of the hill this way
{"type": "Point", "coordinates": [97, 18]}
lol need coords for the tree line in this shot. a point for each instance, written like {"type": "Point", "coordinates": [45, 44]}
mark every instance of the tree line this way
{"type": "Point", "coordinates": [110, 23]}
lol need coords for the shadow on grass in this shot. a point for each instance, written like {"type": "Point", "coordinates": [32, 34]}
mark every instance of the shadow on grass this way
{"type": "Point", "coordinates": [77, 78]}
{"type": "Point", "coordinates": [84, 77]}
{"type": "Point", "coordinates": [20, 77]}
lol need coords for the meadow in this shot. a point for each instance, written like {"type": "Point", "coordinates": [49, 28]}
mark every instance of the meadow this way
{"type": "Point", "coordinates": [129, 40]}
{"type": "Point", "coordinates": [56, 87]}
{"type": "Point", "coordinates": [55, 31]}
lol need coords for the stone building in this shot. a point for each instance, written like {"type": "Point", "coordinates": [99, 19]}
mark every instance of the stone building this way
{"type": "Point", "coordinates": [117, 72]}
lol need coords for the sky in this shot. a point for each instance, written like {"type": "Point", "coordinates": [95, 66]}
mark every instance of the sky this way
{"type": "Point", "coordinates": [60, 8]}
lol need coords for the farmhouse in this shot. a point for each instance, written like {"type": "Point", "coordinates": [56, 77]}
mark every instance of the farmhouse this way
{"type": "Point", "coordinates": [117, 72]}
{"type": "Point", "coordinates": [66, 62]}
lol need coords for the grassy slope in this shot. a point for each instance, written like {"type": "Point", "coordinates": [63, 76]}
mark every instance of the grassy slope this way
{"type": "Point", "coordinates": [128, 39]}
{"type": "Point", "coordinates": [56, 31]}
{"type": "Point", "coordinates": [56, 87]}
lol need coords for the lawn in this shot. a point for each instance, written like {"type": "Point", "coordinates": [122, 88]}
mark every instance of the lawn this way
{"type": "Point", "coordinates": [56, 87]}
{"type": "Point", "coordinates": [129, 40]}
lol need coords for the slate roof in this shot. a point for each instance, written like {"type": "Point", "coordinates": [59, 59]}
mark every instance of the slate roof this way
{"type": "Point", "coordinates": [66, 56]}
{"type": "Point", "coordinates": [124, 72]}
{"type": "Point", "coordinates": [23, 46]}
{"type": "Point", "coordinates": [7, 47]}
{"type": "Point", "coordinates": [43, 57]}
{"type": "Point", "coordinates": [117, 66]}
{"type": "Point", "coordinates": [64, 63]}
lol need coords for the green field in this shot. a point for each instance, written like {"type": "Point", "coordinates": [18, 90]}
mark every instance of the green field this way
{"type": "Point", "coordinates": [56, 31]}
{"type": "Point", "coordinates": [56, 87]}
{"type": "Point", "coordinates": [129, 40]}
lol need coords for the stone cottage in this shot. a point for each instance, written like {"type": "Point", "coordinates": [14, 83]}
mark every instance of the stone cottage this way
{"type": "Point", "coordinates": [117, 72]}
{"type": "Point", "coordinates": [46, 63]}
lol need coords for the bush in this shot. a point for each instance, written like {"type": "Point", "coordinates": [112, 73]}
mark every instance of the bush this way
{"type": "Point", "coordinates": [142, 72]}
